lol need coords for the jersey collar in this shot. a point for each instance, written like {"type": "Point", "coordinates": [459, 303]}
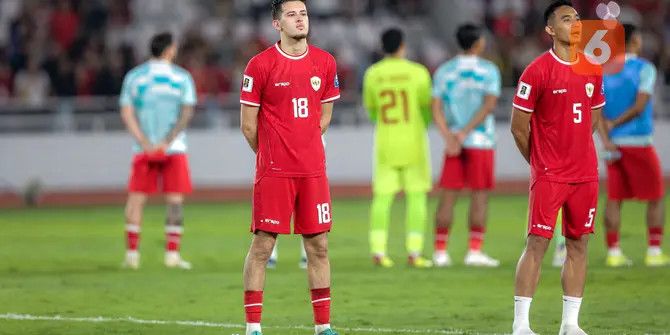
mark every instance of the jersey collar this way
{"type": "Point", "coordinates": [553, 54]}
{"type": "Point", "coordinates": [289, 56]}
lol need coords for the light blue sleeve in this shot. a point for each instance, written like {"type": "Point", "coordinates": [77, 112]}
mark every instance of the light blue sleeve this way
{"type": "Point", "coordinates": [126, 98]}
{"type": "Point", "coordinates": [647, 78]}
{"type": "Point", "coordinates": [493, 84]}
{"type": "Point", "coordinates": [438, 82]}
{"type": "Point", "coordinates": [188, 95]}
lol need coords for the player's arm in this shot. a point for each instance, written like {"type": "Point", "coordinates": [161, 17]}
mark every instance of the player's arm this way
{"type": "Point", "coordinates": [129, 119]}
{"type": "Point", "coordinates": [638, 107]}
{"type": "Point", "coordinates": [521, 131]}
{"type": "Point", "coordinates": [489, 104]}
{"type": "Point", "coordinates": [249, 125]}
{"type": "Point", "coordinates": [185, 117]}
{"type": "Point", "coordinates": [326, 116]}
{"type": "Point", "coordinates": [453, 146]}
{"type": "Point", "coordinates": [369, 101]}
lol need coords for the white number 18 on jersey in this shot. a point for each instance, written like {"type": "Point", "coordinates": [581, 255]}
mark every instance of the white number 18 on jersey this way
{"type": "Point", "coordinates": [300, 109]}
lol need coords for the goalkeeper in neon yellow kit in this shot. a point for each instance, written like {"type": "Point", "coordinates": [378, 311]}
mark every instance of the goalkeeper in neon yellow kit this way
{"type": "Point", "coordinates": [397, 96]}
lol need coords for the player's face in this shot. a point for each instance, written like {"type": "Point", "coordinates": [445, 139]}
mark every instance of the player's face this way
{"type": "Point", "coordinates": [565, 25]}
{"type": "Point", "coordinates": [294, 21]}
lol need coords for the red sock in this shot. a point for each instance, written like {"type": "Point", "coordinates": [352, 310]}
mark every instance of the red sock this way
{"type": "Point", "coordinates": [655, 235]}
{"type": "Point", "coordinates": [253, 306]}
{"type": "Point", "coordinates": [132, 236]}
{"type": "Point", "coordinates": [173, 237]}
{"type": "Point", "coordinates": [441, 238]}
{"type": "Point", "coordinates": [612, 239]}
{"type": "Point", "coordinates": [476, 237]}
{"type": "Point", "coordinates": [321, 305]}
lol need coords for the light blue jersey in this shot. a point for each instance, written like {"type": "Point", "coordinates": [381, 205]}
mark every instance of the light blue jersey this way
{"type": "Point", "coordinates": [462, 83]}
{"type": "Point", "coordinates": [157, 90]}
{"type": "Point", "coordinates": [621, 90]}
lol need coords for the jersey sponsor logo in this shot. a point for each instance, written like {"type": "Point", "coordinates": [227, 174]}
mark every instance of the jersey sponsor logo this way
{"type": "Point", "coordinates": [589, 89]}
{"type": "Point", "coordinates": [247, 83]}
{"type": "Point", "coordinates": [283, 84]}
{"type": "Point", "coordinates": [337, 82]}
{"type": "Point", "coordinates": [316, 83]}
{"type": "Point", "coordinates": [561, 91]}
{"type": "Point", "coordinates": [524, 90]}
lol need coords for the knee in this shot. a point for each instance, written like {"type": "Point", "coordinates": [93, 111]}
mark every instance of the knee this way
{"type": "Point", "coordinates": [261, 252]}
{"type": "Point", "coordinates": [577, 248]}
{"type": "Point", "coordinates": [317, 250]}
{"type": "Point", "coordinates": [536, 246]}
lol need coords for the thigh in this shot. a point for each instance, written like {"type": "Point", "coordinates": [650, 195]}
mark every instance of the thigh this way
{"type": "Point", "coordinates": [479, 168]}
{"type": "Point", "coordinates": [176, 174]}
{"type": "Point", "coordinates": [545, 200]}
{"type": "Point", "coordinates": [143, 175]}
{"type": "Point", "coordinates": [416, 178]}
{"type": "Point", "coordinates": [579, 210]}
{"type": "Point", "coordinates": [386, 180]}
{"type": "Point", "coordinates": [453, 176]}
{"type": "Point", "coordinates": [273, 203]}
{"type": "Point", "coordinates": [313, 211]}
{"type": "Point", "coordinates": [643, 169]}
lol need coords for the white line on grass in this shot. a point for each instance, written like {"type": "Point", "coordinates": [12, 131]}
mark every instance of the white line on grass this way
{"type": "Point", "coordinates": [207, 324]}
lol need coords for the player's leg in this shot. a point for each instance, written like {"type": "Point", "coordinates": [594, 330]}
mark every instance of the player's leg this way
{"type": "Point", "coordinates": [176, 184]}
{"type": "Point", "coordinates": [579, 219]}
{"type": "Point", "coordinates": [416, 180]}
{"type": "Point", "coordinates": [479, 176]}
{"type": "Point", "coordinates": [142, 182]}
{"type": "Point", "coordinates": [452, 180]}
{"type": "Point", "coordinates": [655, 223]}
{"type": "Point", "coordinates": [544, 201]}
{"type": "Point", "coordinates": [386, 184]}
{"type": "Point", "coordinates": [254, 278]}
{"type": "Point", "coordinates": [618, 189]}
{"type": "Point", "coordinates": [313, 220]}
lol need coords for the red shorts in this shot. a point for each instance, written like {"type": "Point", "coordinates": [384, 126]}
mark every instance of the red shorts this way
{"type": "Point", "coordinates": [578, 201]}
{"type": "Point", "coordinates": [171, 171]}
{"type": "Point", "coordinates": [276, 199]}
{"type": "Point", "coordinates": [636, 175]}
{"type": "Point", "coordinates": [473, 168]}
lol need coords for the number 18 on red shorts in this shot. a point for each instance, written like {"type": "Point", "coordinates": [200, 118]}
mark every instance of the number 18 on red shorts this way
{"type": "Point", "coordinates": [577, 200]}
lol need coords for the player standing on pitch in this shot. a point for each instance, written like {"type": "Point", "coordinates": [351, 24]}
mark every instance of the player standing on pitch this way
{"type": "Point", "coordinates": [396, 94]}
{"type": "Point", "coordinates": [637, 172]}
{"type": "Point", "coordinates": [287, 103]}
{"type": "Point", "coordinates": [157, 102]}
{"type": "Point", "coordinates": [555, 113]}
{"type": "Point", "coordinates": [465, 92]}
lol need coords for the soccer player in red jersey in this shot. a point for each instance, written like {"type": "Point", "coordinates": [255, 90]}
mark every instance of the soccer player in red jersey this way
{"type": "Point", "coordinates": [555, 113]}
{"type": "Point", "coordinates": [287, 102]}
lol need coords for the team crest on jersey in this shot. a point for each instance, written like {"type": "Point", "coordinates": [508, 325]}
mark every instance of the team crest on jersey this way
{"type": "Point", "coordinates": [589, 89]}
{"type": "Point", "coordinates": [316, 83]}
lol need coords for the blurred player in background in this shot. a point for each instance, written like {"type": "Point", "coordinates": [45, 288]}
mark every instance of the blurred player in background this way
{"type": "Point", "coordinates": [396, 94]}
{"type": "Point", "coordinates": [157, 103]}
{"type": "Point", "coordinates": [634, 170]}
{"type": "Point", "coordinates": [287, 102]}
{"type": "Point", "coordinates": [555, 113]}
{"type": "Point", "coordinates": [274, 257]}
{"type": "Point", "coordinates": [465, 92]}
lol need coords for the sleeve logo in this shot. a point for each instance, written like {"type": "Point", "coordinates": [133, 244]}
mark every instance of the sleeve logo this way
{"type": "Point", "coordinates": [524, 90]}
{"type": "Point", "coordinates": [337, 82]}
{"type": "Point", "coordinates": [247, 84]}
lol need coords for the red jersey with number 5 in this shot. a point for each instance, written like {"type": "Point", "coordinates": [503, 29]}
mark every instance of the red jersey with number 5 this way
{"type": "Point", "coordinates": [561, 135]}
{"type": "Point", "coordinates": [289, 91]}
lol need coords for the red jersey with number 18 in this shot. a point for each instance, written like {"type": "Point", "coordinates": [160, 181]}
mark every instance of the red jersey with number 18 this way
{"type": "Point", "coordinates": [289, 91]}
{"type": "Point", "coordinates": [560, 100]}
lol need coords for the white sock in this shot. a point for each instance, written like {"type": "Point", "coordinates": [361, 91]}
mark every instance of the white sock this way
{"type": "Point", "coordinates": [614, 252]}
{"type": "Point", "coordinates": [571, 310]}
{"type": "Point", "coordinates": [253, 327]}
{"type": "Point", "coordinates": [319, 328]}
{"type": "Point", "coordinates": [654, 251]}
{"type": "Point", "coordinates": [521, 312]}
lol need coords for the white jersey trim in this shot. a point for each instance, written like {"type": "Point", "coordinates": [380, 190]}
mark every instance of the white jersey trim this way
{"type": "Point", "coordinates": [289, 56]}
{"type": "Point", "coordinates": [331, 99]}
{"type": "Point", "coordinates": [244, 102]}
{"type": "Point", "coordinates": [598, 106]}
{"type": "Point", "coordinates": [523, 108]}
{"type": "Point", "coordinates": [551, 51]}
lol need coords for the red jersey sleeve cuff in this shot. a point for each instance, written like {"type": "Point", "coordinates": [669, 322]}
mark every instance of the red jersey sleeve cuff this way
{"type": "Point", "coordinates": [330, 99]}
{"type": "Point", "coordinates": [249, 103]}
{"type": "Point", "coordinates": [522, 108]}
{"type": "Point", "coordinates": [598, 106]}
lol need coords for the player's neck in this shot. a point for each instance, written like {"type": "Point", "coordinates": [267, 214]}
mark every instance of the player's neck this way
{"type": "Point", "coordinates": [564, 52]}
{"type": "Point", "coordinates": [160, 60]}
{"type": "Point", "coordinates": [293, 47]}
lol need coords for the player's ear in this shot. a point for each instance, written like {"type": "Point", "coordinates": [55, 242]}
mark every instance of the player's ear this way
{"type": "Point", "coordinates": [276, 25]}
{"type": "Point", "coordinates": [550, 30]}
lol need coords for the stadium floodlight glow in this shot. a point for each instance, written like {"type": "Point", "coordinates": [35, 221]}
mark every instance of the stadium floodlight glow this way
{"type": "Point", "coordinates": [608, 12]}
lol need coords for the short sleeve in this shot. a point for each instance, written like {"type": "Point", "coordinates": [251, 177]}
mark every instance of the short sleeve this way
{"type": "Point", "coordinates": [439, 83]}
{"type": "Point", "coordinates": [331, 90]}
{"type": "Point", "coordinates": [598, 99]}
{"type": "Point", "coordinates": [527, 91]}
{"type": "Point", "coordinates": [425, 91]}
{"type": "Point", "coordinates": [369, 101]}
{"type": "Point", "coordinates": [126, 97]}
{"type": "Point", "coordinates": [188, 96]}
{"type": "Point", "coordinates": [493, 84]}
{"type": "Point", "coordinates": [647, 79]}
{"type": "Point", "coordinates": [252, 82]}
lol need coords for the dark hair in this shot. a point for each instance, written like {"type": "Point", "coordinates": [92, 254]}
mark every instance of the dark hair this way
{"type": "Point", "coordinates": [160, 42]}
{"type": "Point", "coordinates": [467, 35]}
{"type": "Point", "coordinates": [277, 7]}
{"type": "Point", "coordinates": [392, 40]}
{"type": "Point", "coordinates": [553, 7]}
{"type": "Point", "coordinates": [629, 30]}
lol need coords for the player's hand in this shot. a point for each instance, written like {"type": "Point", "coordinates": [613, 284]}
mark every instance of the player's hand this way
{"type": "Point", "coordinates": [610, 125]}
{"type": "Point", "coordinates": [453, 145]}
{"type": "Point", "coordinates": [461, 136]}
{"type": "Point", "coordinates": [147, 146]}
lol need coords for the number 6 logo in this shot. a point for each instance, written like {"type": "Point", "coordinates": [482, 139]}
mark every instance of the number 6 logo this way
{"type": "Point", "coordinates": [603, 42]}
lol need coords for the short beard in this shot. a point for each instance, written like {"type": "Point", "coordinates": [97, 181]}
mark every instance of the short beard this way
{"type": "Point", "coordinates": [299, 37]}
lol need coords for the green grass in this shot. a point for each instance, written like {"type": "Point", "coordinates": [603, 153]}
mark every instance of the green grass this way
{"type": "Point", "coordinates": [65, 261]}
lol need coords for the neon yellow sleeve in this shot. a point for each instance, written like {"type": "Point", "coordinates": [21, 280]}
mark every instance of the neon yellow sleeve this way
{"type": "Point", "coordinates": [369, 100]}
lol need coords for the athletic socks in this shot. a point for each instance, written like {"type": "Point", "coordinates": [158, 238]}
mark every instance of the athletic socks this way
{"type": "Point", "coordinates": [321, 308]}
{"type": "Point", "coordinates": [416, 217]}
{"type": "Point", "coordinates": [571, 307]}
{"type": "Point", "coordinates": [173, 238]}
{"type": "Point", "coordinates": [380, 216]}
{"type": "Point", "coordinates": [253, 307]}
{"type": "Point", "coordinates": [441, 239]}
{"type": "Point", "coordinates": [476, 238]}
{"type": "Point", "coordinates": [521, 312]}
{"type": "Point", "coordinates": [132, 237]}
{"type": "Point", "coordinates": [655, 236]}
